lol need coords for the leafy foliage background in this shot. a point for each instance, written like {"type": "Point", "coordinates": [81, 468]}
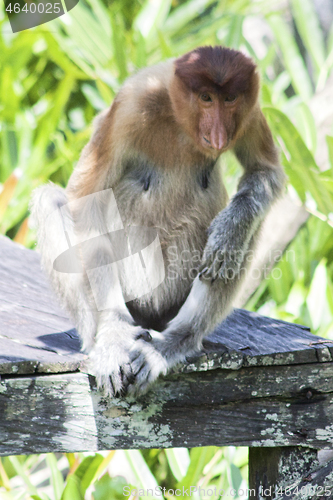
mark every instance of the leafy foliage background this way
{"type": "Point", "coordinates": [55, 78]}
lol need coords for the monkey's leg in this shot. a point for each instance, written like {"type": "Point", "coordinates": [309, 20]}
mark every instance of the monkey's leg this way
{"type": "Point", "coordinates": [116, 333]}
{"type": "Point", "coordinates": [107, 332]}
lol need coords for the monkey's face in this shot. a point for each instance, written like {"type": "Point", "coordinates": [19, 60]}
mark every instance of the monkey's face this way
{"type": "Point", "coordinates": [218, 120]}
{"type": "Point", "coordinates": [211, 119]}
{"type": "Point", "coordinates": [213, 92]}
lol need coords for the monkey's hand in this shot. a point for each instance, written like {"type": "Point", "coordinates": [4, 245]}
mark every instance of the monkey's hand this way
{"type": "Point", "coordinates": [203, 309]}
{"type": "Point", "coordinates": [110, 360]}
{"type": "Point", "coordinates": [226, 248]}
{"type": "Point", "coordinates": [150, 359]}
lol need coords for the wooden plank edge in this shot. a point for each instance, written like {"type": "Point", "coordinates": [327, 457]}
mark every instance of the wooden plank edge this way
{"type": "Point", "coordinates": [65, 412]}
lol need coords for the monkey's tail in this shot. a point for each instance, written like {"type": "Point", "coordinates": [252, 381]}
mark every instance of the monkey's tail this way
{"type": "Point", "coordinates": [53, 222]}
{"type": "Point", "coordinates": [45, 200]}
{"type": "Point", "coordinates": [52, 218]}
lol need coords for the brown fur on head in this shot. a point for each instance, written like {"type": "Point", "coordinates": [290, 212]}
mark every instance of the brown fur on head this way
{"type": "Point", "coordinates": [212, 93]}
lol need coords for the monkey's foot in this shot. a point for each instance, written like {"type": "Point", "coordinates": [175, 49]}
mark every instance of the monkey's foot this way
{"type": "Point", "coordinates": [147, 363]}
{"type": "Point", "coordinates": [110, 363]}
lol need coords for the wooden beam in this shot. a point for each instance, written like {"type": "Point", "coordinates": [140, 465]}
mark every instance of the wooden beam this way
{"type": "Point", "coordinates": [253, 406]}
{"type": "Point", "coordinates": [291, 472]}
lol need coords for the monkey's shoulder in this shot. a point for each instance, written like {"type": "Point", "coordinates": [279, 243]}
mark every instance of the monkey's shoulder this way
{"type": "Point", "coordinates": [147, 92]}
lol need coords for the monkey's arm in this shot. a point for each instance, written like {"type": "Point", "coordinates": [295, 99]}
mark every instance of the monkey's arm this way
{"type": "Point", "coordinates": [231, 231]}
{"type": "Point", "coordinates": [232, 236]}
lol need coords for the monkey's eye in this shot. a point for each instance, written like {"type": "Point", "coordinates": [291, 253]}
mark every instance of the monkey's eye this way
{"type": "Point", "coordinates": [230, 98]}
{"type": "Point", "coordinates": [205, 97]}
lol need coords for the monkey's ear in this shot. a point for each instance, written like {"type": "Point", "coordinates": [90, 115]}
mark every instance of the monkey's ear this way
{"type": "Point", "coordinates": [255, 147]}
{"type": "Point", "coordinates": [97, 157]}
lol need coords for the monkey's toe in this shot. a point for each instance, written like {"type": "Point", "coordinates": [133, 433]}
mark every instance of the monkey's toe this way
{"type": "Point", "coordinates": [144, 335]}
{"type": "Point", "coordinates": [147, 363]}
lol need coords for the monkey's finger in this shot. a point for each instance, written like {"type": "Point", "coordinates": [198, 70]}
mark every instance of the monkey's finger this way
{"type": "Point", "coordinates": [144, 335]}
{"type": "Point", "coordinates": [135, 353]}
{"type": "Point", "coordinates": [116, 383]}
{"type": "Point", "coordinates": [127, 376]}
{"type": "Point", "coordinates": [230, 270]}
{"type": "Point", "coordinates": [224, 273]}
{"type": "Point", "coordinates": [138, 364]}
{"type": "Point", "coordinates": [202, 270]}
{"type": "Point", "coordinates": [137, 389]}
{"type": "Point", "coordinates": [143, 380]}
{"type": "Point", "coordinates": [215, 269]}
{"type": "Point", "coordinates": [206, 262]}
{"type": "Point", "coordinates": [206, 275]}
{"type": "Point", "coordinates": [126, 371]}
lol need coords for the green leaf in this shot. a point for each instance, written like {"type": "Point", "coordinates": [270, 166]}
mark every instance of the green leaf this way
{"type": "Point", "coordinates": [306, 126]}
{"type": "Point", "coordinates": [179, 461]}
{"type": "Point", "coordinates": [20, 471]}
{"type": "Point", "coordinates": [309, 29]}
{"type": "Point", "coordinates": [235, 477]}
{"type": "Point", "coordinates": [199, 458]}
{"type": "Point", "coordinates": [93, 97]}
{"type": "Point", "coordinates": [317, 298]}
{"type": "Point", "coordinates": [164, 45]}
{"type": "Point", "coordinates": [72, 489]}
{"type": "Point", "coordinates": [118, 39]}
{"type": "Point", "coordinates": [291, 56]}
{"type": "Point", "coordinates": [301, 162]}
{"type": "Point", "coordinates": [235, 34]}
{"type": "Point", "coordinates": [144, 477]}
{"type": "Point", "coordinates": [56, 476]}
{"type": "Point", "coordinates": [329, 141]}
{"type": "Point", "coordinates": [49, 123]}
{"type": "Point", "coordinates": [325, 71]}
{"type": "Point", "coordinates": [296, 299]}
{"type": "Point", "coordinates": [184, 14]}
{"type": "Point", "coordinates": [281, 83]}
{"type": "Point", "coordinates": [86, 472]}
{"type": "Point", "coordinates": [88, 35]}
{"type": "Point", "coordinates": [102, 15]}
{"type": "Point", "coordinates": [110, 488]}
{"type": "Point", "coordinates": [152, 15]}
{"type": "Point", "coordinates": [140, 50]}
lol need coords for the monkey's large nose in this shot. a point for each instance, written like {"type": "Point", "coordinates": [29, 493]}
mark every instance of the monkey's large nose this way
{"type": "Point", "coordinates": [218, 138]}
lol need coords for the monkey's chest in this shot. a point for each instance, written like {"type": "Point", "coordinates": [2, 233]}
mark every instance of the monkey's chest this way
{"type": "Point", "coordinates": [180, 206]}
{"type": "Point", "coordinates": [178, 201]}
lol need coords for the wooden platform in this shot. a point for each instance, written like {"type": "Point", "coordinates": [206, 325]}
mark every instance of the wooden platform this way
{"type": "Point", "coordinates": [262, 382]}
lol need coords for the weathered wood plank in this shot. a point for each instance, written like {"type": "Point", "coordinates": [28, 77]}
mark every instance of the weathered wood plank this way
{"type": "Point", "coordinates": [273, 470]}
{"type": "Point", "coordinates": [261, 406]}
{"type": "Point", "coordinates": [19, 359]}
{"type": "Point", "coordinates": [36, 335]}
{"type": "Point", "coordinates": [48, 413]}
{"type": "Point", "coordinates": [290, 472]}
